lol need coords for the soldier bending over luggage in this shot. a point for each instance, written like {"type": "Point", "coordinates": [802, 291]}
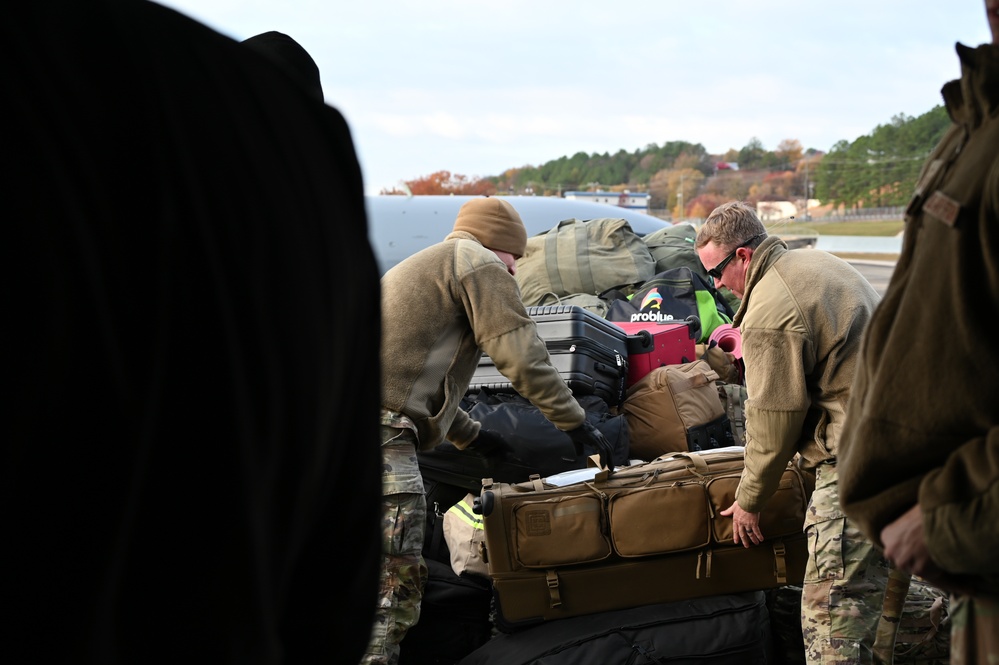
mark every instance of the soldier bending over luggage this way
{"type": "Point", "coordinates": [441, 309]}
{"type": "Point", "coordinates": [801, 318]}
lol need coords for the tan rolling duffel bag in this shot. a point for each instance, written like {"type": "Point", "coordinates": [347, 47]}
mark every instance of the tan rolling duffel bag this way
{"type": "Point", "coordinates": [650, 533]}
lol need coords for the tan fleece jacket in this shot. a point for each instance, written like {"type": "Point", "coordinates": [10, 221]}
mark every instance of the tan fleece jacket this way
{"type": "Point", "coordinates": [924, 421]}
{"type": "Point", "coordinates": [801, 320]}
{"type": "Point", "coordinates": [441, 309]}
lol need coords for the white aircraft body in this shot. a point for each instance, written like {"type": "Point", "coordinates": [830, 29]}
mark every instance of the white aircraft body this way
{"type": "Point", "coordinates": [399, 226]}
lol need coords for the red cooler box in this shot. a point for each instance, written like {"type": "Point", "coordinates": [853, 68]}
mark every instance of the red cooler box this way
{"type": "Point", "coordinates": [652, 345]}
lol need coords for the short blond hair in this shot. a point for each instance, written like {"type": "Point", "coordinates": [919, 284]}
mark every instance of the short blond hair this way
{"type": "Point", "coordinates": [730, 225]}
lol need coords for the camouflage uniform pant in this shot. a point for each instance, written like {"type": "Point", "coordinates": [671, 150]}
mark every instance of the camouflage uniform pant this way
{"type": "Point", "coordinates": [974, 634]}
{"type": "Point", "coordinates": [404, 572]}
{"type": "Point", "coordinates": [845, 580]}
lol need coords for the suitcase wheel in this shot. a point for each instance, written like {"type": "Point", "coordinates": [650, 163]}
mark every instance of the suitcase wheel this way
{"type": "Point", "coordinates": [483, 505]}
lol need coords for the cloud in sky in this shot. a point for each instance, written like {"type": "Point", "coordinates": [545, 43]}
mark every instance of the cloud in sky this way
{"type": "Point", "coordinates": [475, 87]}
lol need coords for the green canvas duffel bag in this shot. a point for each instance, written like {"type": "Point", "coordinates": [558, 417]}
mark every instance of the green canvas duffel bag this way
{"type": "Point", "coordinates": [582, 257]}
{"type": "Point", "coordinates": [673, 246]}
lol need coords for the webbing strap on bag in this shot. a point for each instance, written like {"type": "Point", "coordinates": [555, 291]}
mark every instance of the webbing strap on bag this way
{"type": "Point", "coordinates": [706, 556]}
{"type": "Point", "coordinates": [580, 244]}
{"type": "Point", "coordinates": [780, 562]}
{"type": "Point", "coordinates": [697, 464]}
{"type": "Point", "coordinates": [554, 597]}
{"type": "Point", "coordinates": [733, 395]}
{"type": "Point", "coordinates": [694, 381]}
{"type": "Point", "coordinates": [551, 260]}
{"type": "Point", "coordinates": [562, 247]}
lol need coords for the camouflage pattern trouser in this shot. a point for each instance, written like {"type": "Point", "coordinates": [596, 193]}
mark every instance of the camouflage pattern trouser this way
{"type": "Point", "coordinates": [404, 572]}
{"type": "Point", "coordinates": [974, 634]}
{"type": "Point", "coordinates": [845, 580]}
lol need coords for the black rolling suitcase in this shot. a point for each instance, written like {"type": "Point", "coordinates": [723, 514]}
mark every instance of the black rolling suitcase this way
{"type": "Point", "coordinates": [722, 630]}
{"type": "Point", "coordinates": [589, 352]}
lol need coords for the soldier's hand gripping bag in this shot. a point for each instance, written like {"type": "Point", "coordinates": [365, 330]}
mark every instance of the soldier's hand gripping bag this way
{"type": "Point", "coordinates": [535, 445]}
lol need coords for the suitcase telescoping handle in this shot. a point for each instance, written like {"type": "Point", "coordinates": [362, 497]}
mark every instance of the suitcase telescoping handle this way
{"type": "Point", "coordinates": [693, 326]}
{"type": "Point", "coordinates": [693, 329]}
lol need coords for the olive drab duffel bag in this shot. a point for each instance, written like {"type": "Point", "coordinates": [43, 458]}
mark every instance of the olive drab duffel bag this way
{"type": "Point", "coordinates": [673, 246]}
{"type": "Point", "coordinates": [579, 256]}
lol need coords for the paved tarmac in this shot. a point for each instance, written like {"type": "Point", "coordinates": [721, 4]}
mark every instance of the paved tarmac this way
{"type": "Point", "coordinates": [877, 272]}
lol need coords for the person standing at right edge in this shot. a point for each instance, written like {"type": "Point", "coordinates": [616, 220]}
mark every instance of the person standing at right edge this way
{"type": "Point", "coordinates": [927, 384]}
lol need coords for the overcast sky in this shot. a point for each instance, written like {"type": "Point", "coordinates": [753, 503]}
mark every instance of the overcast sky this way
{"type": "Point", "coordinates": [478, 87]}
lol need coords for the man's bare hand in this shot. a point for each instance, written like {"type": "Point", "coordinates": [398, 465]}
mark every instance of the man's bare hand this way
{"type": "Point", "coordinates": [745, 525]}
{"type": "Point", "coordinates": [905, 546]}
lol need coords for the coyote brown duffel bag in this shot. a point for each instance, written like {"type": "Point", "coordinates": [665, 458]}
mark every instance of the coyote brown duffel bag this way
{"type": "Point", "coordinates": [650, 533]}
{"type": "Point", "coordinates": [676, 408]}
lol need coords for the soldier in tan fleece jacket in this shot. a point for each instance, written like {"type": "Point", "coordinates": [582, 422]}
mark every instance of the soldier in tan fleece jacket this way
{"type": "Point", "coordinates": [801, 319]}
{"type": "Point", "coordinates": [441, 309]}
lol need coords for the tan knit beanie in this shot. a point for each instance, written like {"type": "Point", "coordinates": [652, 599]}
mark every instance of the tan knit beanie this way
{"type": "Point", "coordinates": [494, 223]}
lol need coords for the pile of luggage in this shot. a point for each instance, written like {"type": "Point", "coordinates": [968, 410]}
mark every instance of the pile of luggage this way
{"type": "Point", "coordinates": [525, 559]}
{"type": "Point", "coordinates": [645, 371]}
{"type": "Point", "coordinates": [542, 557]}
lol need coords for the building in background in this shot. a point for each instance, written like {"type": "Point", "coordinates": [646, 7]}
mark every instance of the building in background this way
{"type": "Point", "coordinates": [631, 200]}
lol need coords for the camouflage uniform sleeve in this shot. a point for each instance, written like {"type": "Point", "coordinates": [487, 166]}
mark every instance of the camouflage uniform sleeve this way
{"type": "Point", "coordinates": [397, 420]}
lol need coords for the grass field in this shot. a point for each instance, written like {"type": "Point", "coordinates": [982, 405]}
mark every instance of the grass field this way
{"type": "Point", "coordinates": [890, 227]}
{"type": "Point", "coordinates": [867, 256]}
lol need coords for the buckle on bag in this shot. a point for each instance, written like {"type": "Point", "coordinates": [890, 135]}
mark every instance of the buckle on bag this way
{"type": "Point", "coordinates": [554, 598]}
{"type": "Point", "coordinates": [780, 562]}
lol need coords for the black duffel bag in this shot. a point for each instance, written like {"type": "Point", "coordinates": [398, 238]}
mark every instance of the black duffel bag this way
{"type": "Point", "coordinates": [538, 447]}
{"type": "Point", "coordinates": [454, 618]}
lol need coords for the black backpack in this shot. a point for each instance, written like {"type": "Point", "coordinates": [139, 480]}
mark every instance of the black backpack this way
{"type": "Point", "coordinates": [672, 295]}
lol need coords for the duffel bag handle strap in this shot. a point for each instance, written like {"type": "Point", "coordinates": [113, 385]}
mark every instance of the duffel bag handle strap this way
{"type": "Point", "coordinates": [698, 380]}
{"type": "Point", "coordinates": [696, 462]}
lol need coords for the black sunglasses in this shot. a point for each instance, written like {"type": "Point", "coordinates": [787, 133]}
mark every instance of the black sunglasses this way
{"type": "Point", "coordinates": [716, 272]}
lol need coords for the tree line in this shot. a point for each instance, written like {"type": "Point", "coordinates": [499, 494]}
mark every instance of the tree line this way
{"type": "Point", "coordinates": [875, 170]}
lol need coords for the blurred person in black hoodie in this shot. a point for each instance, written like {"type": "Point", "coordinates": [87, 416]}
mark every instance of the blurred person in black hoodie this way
{"type": "Point", "coordinates": [190, 460]}
{"type": "Point", "coordinates": [290, 55]}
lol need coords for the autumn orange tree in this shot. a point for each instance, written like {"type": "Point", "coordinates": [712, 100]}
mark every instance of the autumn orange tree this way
{"type": "Point", "coordinates": [702, 205]}
{"type": "Point", "coordinates": [444, 182]}
{"type": "Point", "coordinates": [789, 152]}
{"type": "Point", "coordinates": [777, 185]}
